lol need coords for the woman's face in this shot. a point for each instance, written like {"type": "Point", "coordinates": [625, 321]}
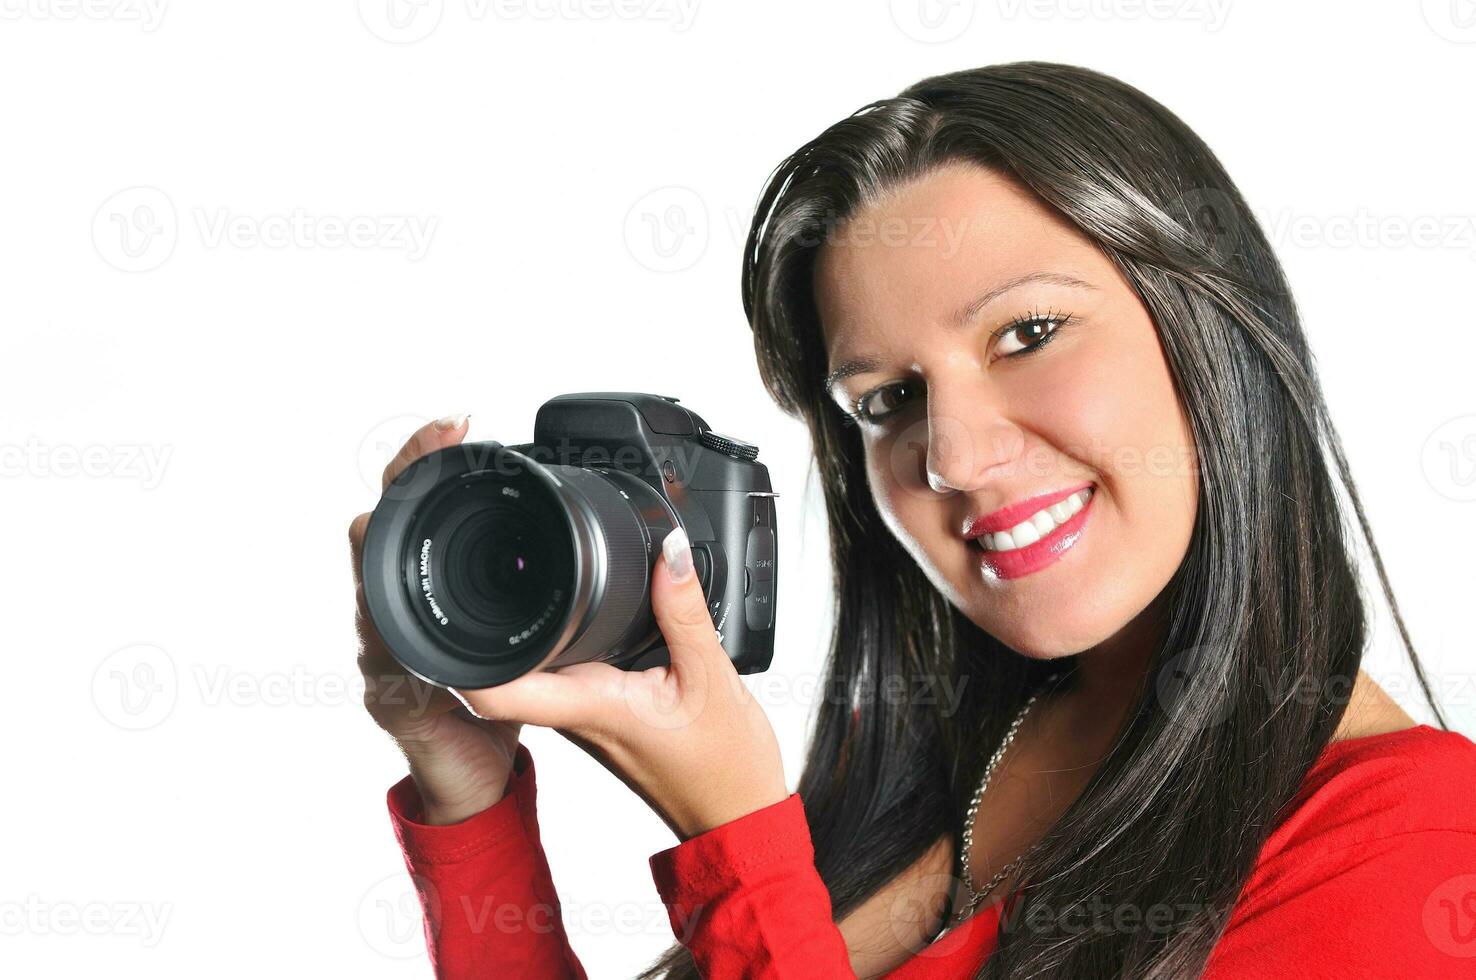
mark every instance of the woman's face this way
{"type": "Point", "coordinates": [996, 355]}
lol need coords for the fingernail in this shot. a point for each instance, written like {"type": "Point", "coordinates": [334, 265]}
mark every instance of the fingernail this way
{"type": "Point", "coordinates": [678, 554]}
{"type": "Point", "coordinates": [452, 422]}
{"type": "Point", "coordinates": [464, 702]}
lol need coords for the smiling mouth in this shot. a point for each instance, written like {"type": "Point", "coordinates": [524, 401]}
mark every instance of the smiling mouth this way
{"type": "Point", "coordinates": [1042, 524]}
{"type": "Point", "coordinates": [1003, 555]}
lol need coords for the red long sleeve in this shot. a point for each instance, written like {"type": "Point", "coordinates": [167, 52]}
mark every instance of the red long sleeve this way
{"type": "Point", "coordinates": [746, 900]}
{"type": "Point", "coordinates": [745, 897]}
{"type": "Point", "coordinates": [490, 906]}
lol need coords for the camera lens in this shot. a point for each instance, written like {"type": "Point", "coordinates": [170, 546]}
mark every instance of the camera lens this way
{"type": "Point", "coordinates": [485, 564]}
{"type": "Point", "coordinates": [494, 564]}
{"type": "Point", "coordinates": [496, 568]}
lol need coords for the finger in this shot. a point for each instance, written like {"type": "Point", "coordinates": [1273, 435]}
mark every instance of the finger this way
{"type": "Point", "coordinates": [547, 698]}
{"type": "Point", "coordinates": [680, 607]}
{"type": "Point", "coordinates": [357, 527]}
{"type": "Point", "coordinates": [439, 434]}
{"type": "Point", "coordinates": [373, 654]}
{"type": "Point", "coordinates": [443, 432]}
{"type": "Point", "coordinates": [393, 695]}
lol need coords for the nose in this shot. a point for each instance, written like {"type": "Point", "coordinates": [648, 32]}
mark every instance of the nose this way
{"type": "Point", "coordinates": [969, 438]}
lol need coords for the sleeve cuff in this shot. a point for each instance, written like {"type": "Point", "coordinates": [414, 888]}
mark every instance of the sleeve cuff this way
{"type": "Point", "coordinates": [697, 870]}
{"type": "Point", "coordinates": [510, 821]}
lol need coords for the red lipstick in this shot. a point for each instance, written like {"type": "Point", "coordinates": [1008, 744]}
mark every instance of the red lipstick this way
{"type": "Point", "coordinates": [1007, 517]}
{"type": "Point", "coordinates": [1019, 562]}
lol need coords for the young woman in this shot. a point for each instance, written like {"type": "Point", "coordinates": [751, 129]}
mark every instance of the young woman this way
{"type": "Point", "coordinates": [1077, 467]}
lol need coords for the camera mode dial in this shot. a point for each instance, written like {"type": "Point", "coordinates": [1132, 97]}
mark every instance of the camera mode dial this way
{"type": "Point", "coordinates": [736, 448]}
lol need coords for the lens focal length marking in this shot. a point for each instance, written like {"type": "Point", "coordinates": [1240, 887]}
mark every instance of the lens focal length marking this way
{"type": "Point", "coordinates": [425, 583]}
{"type": "Point", "coordinates": [538, 624]}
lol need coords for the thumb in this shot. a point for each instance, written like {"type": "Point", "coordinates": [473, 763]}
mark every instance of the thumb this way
{"type": "Point", "coordinates": [541, 697]}
{"type": "Point", "coordinates": [680, 606]}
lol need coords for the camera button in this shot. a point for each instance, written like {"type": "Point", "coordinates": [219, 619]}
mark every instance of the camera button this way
{"type": "Point", "coordinates": [759, 555]}
{"type": "Point", "coordinates": [758, 608]}
{"type": "Point", "coordinates": [702, 562]}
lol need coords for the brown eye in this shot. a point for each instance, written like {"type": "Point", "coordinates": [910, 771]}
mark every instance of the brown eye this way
{"type": "Point", "coordinates": [876, 405]}
{"type": "Point", "coordinates": [1026, 334]}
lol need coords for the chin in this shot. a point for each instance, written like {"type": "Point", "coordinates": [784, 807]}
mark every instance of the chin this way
{"type": "Point", "coordinates": [1042, 647]}
{"type": "Point", "coordinates": [1044, 636]}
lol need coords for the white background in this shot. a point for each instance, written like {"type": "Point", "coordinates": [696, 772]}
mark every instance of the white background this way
{"type": "Point", "coordinates": [192, 788]}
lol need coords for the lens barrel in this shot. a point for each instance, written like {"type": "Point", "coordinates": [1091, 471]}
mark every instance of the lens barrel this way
{"type": "Point", "coordinates": [481, 564]}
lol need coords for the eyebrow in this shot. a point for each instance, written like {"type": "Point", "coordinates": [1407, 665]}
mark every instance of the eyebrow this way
{"type": "Point", "coordinates": [860, 365]}
{"type": "Point", "coordinates": [971, 309]}
{"type": "Point", "coordinates": [844, 370]}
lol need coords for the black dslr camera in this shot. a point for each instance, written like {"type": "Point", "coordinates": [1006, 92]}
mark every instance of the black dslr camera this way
{"type": "Point", "coordinates": [483, 562]}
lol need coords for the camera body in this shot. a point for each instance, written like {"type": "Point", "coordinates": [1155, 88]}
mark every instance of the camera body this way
{"type": "Point", "coordinates": [484, 561]}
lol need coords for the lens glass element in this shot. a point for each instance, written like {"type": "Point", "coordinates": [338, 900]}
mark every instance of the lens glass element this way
{"type": "Point", "coordinates": [492, 563]}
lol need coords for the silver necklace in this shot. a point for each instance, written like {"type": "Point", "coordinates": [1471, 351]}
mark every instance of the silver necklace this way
{"type": "Point", "coordinates": [965, 871]}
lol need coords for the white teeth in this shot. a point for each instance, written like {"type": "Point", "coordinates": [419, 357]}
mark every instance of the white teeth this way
{"type": "Point", "coordinates": [1025, 533]}
{"type": "Point", "coordinates": [1041, 523]}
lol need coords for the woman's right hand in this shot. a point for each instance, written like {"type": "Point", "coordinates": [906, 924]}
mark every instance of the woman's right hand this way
{"type": "Point", "coordinates": [460, 763]}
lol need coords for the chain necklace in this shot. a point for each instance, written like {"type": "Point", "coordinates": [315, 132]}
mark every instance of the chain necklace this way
{"type": "Point", "coordinates": [965, 871]}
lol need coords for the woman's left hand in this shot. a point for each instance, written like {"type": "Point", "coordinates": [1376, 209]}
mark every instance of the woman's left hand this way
{"type": "Point", "coordinates": [689, 738]}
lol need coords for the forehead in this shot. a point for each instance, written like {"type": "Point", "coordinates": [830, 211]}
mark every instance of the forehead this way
{"type": "Point", "coordinates": [931, 245]}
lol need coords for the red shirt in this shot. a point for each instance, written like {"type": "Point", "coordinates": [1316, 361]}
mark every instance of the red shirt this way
{"type": "Point", "coordinates": [1372, 875]}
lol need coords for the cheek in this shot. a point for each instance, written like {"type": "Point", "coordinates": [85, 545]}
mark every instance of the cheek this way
{"type": "Point", "coordinates": [910, 512]}
{"type": "Point", "coordinates": [893, 501]}
{"type": "Point", "coordinates": [1120, 415]}
{"type": "Point", "coordinates": [920, 526]}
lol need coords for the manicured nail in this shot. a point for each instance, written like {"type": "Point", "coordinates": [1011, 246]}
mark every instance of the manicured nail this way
{"type": "Point", "coordinates": [678, 554]}
{"type": "Point", "coordinates": [464, 702]}
{"type": "Point", "coordinates": [452, 422]}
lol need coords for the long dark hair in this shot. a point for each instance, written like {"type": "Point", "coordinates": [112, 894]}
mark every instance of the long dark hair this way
{"type": "Point", "coordinates": [1263, 624]}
